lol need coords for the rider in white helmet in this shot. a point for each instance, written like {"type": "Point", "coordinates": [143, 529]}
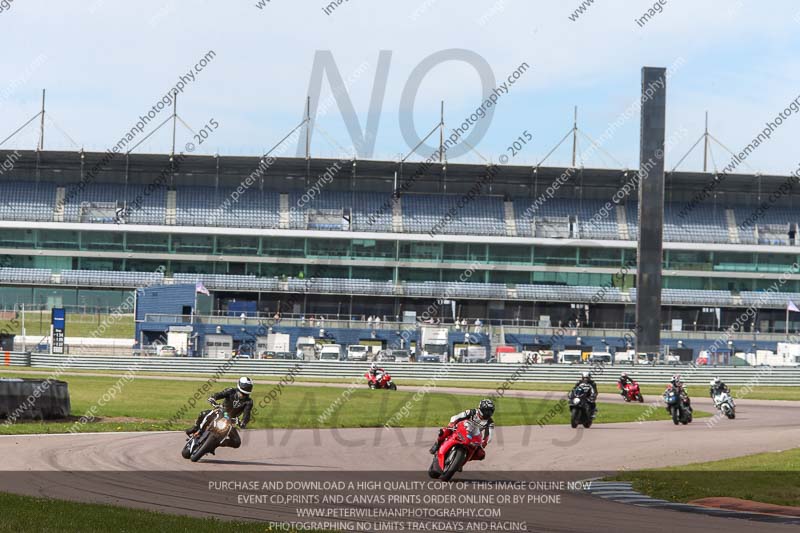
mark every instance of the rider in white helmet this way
{"type": "Point", "coordinates": [586, 377]}
{"type": "Point", "coordinates": [717, 386]}
{"type": "Point", "coordinates": [237, 403]}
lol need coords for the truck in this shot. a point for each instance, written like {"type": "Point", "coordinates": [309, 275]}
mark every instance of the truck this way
{"type": "Point", "coordinates": [330, 352]}
{"type": "Point", "coordinates": [570, 356]}
{"type": "Point", "coordinates": [305, 348]}
{"type": "Point", "coordinates": [508, 354]}
{"type": "Point", "coordinates": [357, 352]}
{"type": "Point", "coordinates": [434, 345]}
{"type": "Point", "coordinates": [603, 358]}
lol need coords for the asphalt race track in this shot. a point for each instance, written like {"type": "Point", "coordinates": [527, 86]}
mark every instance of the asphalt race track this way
{"type": "Point", "coordinates": [145, 470]}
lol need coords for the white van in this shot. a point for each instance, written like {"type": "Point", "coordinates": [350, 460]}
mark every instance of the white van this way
{"type": "Point", "coordinates": [330, 352]}
{"type": "Point", "coordinates": [357, 352]}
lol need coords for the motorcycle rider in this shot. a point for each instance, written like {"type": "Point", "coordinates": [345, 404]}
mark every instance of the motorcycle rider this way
{"type": "Point", "coordinates": [374, 370]}
{"type": "Point", "coordinates": [677, 384]}
{"type": "Point", "coordinates": [624, 379]}
{"type": "Point", "coordinates": [481, 417]}
{"type": "Point", "coordinates": [717, 386]}
{"type": "Point", "coordinates": [586, 378]}
{"type": "Point", "coordinates": [237, 402]}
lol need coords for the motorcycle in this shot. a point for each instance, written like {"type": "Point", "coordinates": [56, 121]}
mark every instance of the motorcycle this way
{"type": "Point", "coordinates": [632, 393]}
{"type": "Point", "coordinates": [724, 402]}
{"type": "Point", "coordinates": [457, 450]}
{"type": "Point", "coordinates": [381, 380]}
{"type": "Point", "coordinates": [214, 429]}
{"type": "Point", "coordinates": [680, 410]}
{"type": "Point", "coordinates": [579, 406]}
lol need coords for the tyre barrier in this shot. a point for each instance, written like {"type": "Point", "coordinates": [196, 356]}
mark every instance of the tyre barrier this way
{"type": "Point", "coordinates": [33, 399]}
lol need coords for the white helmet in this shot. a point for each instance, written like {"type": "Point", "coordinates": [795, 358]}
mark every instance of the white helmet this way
{"type": "Point", "coordinates": [716, 381]}
{"type": "Point", "coordinates": [373, 366]}
{"type": "Point", "coordinates": [586, 375]}
{"type": "Point", "coordinates": [245, 385]}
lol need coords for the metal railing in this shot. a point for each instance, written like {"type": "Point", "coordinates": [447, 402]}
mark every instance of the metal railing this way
{"type": "Point", "coordinates": [489, 373]}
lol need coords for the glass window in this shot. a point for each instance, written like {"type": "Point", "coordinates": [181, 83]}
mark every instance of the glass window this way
{"type": "Point", "coordinates": [192, 243]}
{"type": "Point", "coordinates": [63, 240]}
{"type": "Point", "coordinates": [146, 242]}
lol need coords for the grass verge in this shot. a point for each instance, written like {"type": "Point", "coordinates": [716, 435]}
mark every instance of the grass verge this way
{"type": "Point", "coordinates": [765, 477]}
{"type": "Point", "coordinates": [45, 515]}
{"type": "Point", "coordinates": [759, 392]}
{"type": "Point", "coordinates": [142, 404]}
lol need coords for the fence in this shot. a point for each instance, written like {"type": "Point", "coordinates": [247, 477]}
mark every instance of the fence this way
{"type": "Point", "coordinates": [490, 373]}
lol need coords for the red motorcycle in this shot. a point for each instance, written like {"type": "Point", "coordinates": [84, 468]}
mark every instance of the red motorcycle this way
{"type": "Point", "coordinates": [459, 448]}
{"type": "Point", "coordinates": [632, 392]}
{"type": "Point", "coordinates": [381, 380]}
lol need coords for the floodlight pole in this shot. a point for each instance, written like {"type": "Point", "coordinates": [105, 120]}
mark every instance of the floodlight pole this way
{"type": "Point", "coordinates": [441, 133]}
{"type": "Point", "coordinates": [308, 137]}
{"type": "Point", "coordinates": [574, 135]}
{"type": "Point", "coordinates": [174, 121]}
{"type": "Point", "coordinates": [705, 147]}
{"type": "Point", "coordinates": [41, 125]}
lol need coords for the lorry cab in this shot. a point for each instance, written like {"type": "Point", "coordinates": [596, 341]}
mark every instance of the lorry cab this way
{"type": "Point", "coordinates": [330, 352]}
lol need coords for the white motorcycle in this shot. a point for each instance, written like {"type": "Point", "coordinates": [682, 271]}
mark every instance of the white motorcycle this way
{"type": "Point", "coordinates": [724, 402]}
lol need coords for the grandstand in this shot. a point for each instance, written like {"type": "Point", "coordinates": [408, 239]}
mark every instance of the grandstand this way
{"type": "Point", "coordinates": [511, 255]}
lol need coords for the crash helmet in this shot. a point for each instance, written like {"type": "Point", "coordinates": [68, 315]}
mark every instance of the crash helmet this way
{"type": "Point", "coordinates": [373, 366]}
{"type": "Point", "coordinates": [486, 408]}
{"type": "Point", "coordinates": [245, 385]}
{"type": "Point", "coordinates": [586, 376]}
{"type": "Point", "coordinates": [624, 375]}
{"type": "Point", "coordinates": [716, 381]}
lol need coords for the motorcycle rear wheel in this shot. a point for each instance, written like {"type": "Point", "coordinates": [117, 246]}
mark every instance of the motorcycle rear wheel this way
{"type": "Point", "coordinates": [459, 457]}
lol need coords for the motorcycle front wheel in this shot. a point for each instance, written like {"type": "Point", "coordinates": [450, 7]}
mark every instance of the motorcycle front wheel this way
{"type": "Point", "coordinates": [433, 470]}
{"type": "Point", "coordinates": [676, 416]}
{"type": "Point", "coordinates": [209, 445]}
{"type": "Point", "coordinates": [185, 453]}
{"type": "Point", "coordinates": [392, 386]}
{"type": "Point", "coordinates": [457, 459]}
{"type": "Point", "coordinates": [575, 418]}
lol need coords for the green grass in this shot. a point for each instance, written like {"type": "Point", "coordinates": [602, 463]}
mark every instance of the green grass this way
{"type": "Point", "coordinates": [44, 515]}
{"type": "Point", "coordinates": [760, 392]}
{"type": "Point", "coordinates": [765, 477]}
{"type": "Point", "coordinates": [148, 404]}
{"type": "Point", "coordinates": [38, 323]}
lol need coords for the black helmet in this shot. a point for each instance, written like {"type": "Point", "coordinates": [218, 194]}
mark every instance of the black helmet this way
{"type": "Point", "coordinates": [245, 385]}
{"type": "Point", "coordinates": [486, 408]}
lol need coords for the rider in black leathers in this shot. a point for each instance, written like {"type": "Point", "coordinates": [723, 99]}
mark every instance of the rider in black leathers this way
{"type": "Point", "coordinates": [586, 377]}
{"type": "Point", "coordinates": [237, 403]}
{"type": "Point", "coordinates": [718, 386]}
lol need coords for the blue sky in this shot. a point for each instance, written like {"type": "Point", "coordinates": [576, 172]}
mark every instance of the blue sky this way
{"type": "Point", "coordinates": [105, 62]}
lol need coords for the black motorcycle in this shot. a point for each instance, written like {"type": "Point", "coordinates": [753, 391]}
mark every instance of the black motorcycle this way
{"type": "Point", "coordinates": [214, 429]}
{"type": "Point", "coordinates": [580, 406]}
{"type": "Point", "coordinates": [678, 407]}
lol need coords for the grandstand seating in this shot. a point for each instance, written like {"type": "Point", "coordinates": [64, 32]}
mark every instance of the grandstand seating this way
{"type": "Point", "coordinates": [24, 275]}
{"type": "Point", "coordinates": [145, 206]}
{"type": "Point", "coordinates": [483, 215]}
{"type": "Point", "coordinates": [27, 201]}
{"type": "Point", "coordinates": [229, 282]}
{"type": "Point", "coordinates": [207, 206]}
{"type": "Point", "coordinates": [106, 278]}
{"type": "Point", "coordinates": [429, 289]}
{"type": "Point", "coordinates": [371, 211]}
